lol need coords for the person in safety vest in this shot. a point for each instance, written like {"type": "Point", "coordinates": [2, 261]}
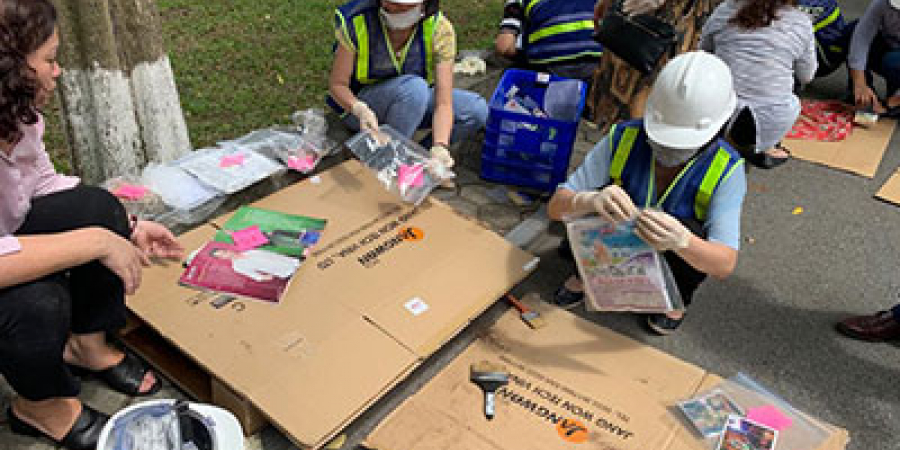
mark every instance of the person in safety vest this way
{"type": "Point", "coordinates": [393, 64]}
{"type": "Point", "coordinates": [550, 35]}
{"type": "Point", "coordinates": [832, 34]}
{"type": "Point", "coordinates": [875, 47]}
{"type": "Point", "coordinates": [673, 175]}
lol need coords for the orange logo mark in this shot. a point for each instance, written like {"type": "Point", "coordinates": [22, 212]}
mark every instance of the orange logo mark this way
{"type": "Point", "coordinates": [572, 431]}
{"type": "Point", "coordinates": [412, 234]}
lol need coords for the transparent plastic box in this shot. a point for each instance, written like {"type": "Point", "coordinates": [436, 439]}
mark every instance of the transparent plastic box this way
{"type": "Point", "coordinates": [402, 166]}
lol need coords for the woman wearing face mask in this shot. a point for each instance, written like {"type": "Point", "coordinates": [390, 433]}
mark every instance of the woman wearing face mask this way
{"type": "Point", "coordinates": [674, 162]}
{"type": "Point", "coordinates": [68, 254]}
{"type": "Point", "coordinates": [394, 64]}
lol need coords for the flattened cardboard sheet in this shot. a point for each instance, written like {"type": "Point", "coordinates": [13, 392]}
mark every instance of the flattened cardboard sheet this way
{"type": "Point", "coordinates": [860, 153]}
{"type": "Point", "coordinates": [385, 287]}
{"type": "Point", "coordinates": [890, 191]}
{"type": "Point", "coordinates": [573, 385]}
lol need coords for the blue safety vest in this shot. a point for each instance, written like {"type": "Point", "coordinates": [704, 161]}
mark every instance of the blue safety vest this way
{"type": "Point", "coordinates": [830, 29]}
{"type": "Point", "coordinates": [689, 194]}
{"type": "Point", "coordinates": [360, 23]}
{"type": "Point", "coordinates": [559, 30]}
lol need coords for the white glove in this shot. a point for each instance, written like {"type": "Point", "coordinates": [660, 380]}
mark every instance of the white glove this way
{"type": "Point", "coordinates": [367, 119]}
{"type": "Point", "coordinates": [634, 7]}
{"type": "Point", "coordinates": [612, 203]}
{"type": "Point", "coordinates": [440, 154]}
{"type": "Point", "coordinates": [662, 231]}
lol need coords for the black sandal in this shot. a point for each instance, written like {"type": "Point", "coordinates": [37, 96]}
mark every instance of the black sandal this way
{"type": "Point", "coordinates": [769, 162]}
{"type": "Point", "coordinates": [125, 377]}
{"type": "Point", "coordinates": [84, 434]}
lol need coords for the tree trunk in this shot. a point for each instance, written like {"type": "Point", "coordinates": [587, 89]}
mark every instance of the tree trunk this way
{"type": "Point", "coordinates": [119, 97]}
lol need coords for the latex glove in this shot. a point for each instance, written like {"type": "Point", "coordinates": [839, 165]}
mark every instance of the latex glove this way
{"type": "Point", "coordinates": [612, 203]}
{"type": "Point", "coordinates": [440, 154]}
{"type": "Point", "coordinates": [662, 231]}
{"type": "Point", "coordinates": [634, 7]}
{"type": "Point", "coordinates": [367, 119]}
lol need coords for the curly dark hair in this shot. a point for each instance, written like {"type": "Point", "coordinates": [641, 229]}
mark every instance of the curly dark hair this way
{"type": "Point", "coordinates": [24, 26]}
{"type": "Point", "coordinates": [759, 13]}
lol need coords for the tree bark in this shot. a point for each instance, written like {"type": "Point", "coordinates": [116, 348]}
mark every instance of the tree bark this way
{"type": "Point", "coordinates": [119, 97]}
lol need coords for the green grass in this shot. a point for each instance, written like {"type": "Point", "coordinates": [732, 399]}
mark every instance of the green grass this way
{"type": "Point", "coordinates": [245, 64]}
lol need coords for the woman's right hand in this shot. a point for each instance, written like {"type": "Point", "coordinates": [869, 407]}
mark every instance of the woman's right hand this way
{"type": "Point", "coordinates": [865, 98]}
{"type": "Point", "coordinates": [124, 259]}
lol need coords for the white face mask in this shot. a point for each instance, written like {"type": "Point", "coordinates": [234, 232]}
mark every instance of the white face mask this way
{"type": "Point", "coordinates": [670, 157]}
{"type": "Point", "coordinates": [400, 21]}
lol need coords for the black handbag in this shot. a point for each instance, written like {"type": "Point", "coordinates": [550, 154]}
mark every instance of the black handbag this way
{"type": "Point", "coordinates": [640, 40]}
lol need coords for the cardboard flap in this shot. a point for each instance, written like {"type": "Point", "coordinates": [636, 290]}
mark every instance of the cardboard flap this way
{"type": "Point", "coordinates": [890, 191]}
{"type": "Point", "coordinates": [860, 153]}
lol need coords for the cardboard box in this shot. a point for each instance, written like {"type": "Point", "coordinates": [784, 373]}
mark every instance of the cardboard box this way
{"type": "Point", "coordinates": [386, 286]}
{"type": "Point", "coordinates": [890, 191]}
{"type": "Point", "coordinates": [573, 384]}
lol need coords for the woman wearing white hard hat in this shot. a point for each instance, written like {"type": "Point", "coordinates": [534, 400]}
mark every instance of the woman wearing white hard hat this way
{"type": "Point", "coordinates": [672, 173]}
{"type": "Point", "coordinates": [768, 40]}
{"type": "Point", "coordinates": [394, 65]}
{"type": "Point", "coordinates": [875, 47]}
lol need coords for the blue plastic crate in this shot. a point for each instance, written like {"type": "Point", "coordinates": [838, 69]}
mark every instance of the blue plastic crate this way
{"type": "Point", "coordinates": [526, 150]}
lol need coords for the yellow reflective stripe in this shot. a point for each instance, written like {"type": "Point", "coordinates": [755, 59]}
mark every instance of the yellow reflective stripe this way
{"type": "Point", "coordinates": [428, 38]}
{"type": "Point", "coordinates": [566, 57]}
{"type": "Point", "coordinates": [828, 20]}
{"type": "Point", "coordinates": [345, 31]}
{"type": "Point", "coordinates": [622, 150]}
{"type": "Point", "coordinates": [531, 5]}
{"type": "Point", "coordinates": [579, 25]}
{"type": "Point", "coordinates": [710, 180]}
{"type": "Point", "coordinates": [362, 52]}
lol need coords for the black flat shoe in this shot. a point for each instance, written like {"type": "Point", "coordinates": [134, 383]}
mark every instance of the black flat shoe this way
{"type": "Point", "coordinates": [83, 435]}
{"type": "Point", "coordinates": [566, 298]}
{"type": "Point", "coordinates": [125, 377]}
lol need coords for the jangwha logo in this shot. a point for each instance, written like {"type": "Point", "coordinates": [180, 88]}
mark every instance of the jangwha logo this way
{"type": "Point", "coordinates": [572, 431]}
{"type": "Point", "coordinates": [412, 234]}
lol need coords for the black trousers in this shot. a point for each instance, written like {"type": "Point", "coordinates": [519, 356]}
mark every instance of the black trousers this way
{"type": "Point", "coordinates": [37, 318]}
{"type": "Point", "coordinates": [687, 278]}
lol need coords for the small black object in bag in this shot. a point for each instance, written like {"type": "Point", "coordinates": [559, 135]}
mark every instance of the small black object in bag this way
{"type": "Point", "coordinates": [640, 40]}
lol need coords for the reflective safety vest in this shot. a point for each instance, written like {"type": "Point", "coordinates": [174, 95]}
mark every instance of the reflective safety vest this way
{"type": "Point", "coordinates": [689, 194]}
{"type": "Point", "coordinates": [360, 23]}
{"type": "Point", "coordinates": [828, 25]}
{"type": "Point", "coordinates": [559, 30]}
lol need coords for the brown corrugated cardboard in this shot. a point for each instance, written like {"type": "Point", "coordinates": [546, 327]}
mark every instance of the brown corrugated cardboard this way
{"type": "Point", "coordinates": [891, 189]}
{"type": "Point", "coordinates": [573, 384]}
{"type": "Point", "coordinates": [386, 286]}
{"type": "Point", "coordinates": [860, 153]}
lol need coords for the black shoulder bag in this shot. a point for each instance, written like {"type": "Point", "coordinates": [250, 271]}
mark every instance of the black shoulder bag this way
{"type": "Point", "coordinates": [640, 40]}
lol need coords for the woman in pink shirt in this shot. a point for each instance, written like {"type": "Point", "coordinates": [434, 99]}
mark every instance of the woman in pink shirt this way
{"type": "Point", "coordinates": [68, 254]}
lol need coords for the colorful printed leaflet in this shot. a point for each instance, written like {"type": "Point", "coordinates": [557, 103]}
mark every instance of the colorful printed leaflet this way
{"type": "Point", "coordinates": [287, 234]}
{"type": "Point", "coordinates": [620, 271]}
{"type": "Point", "coordinates": [256, 273]}
{"type": "Point", "coordinates": [709, 412]}
{"type": "Point", "coordinates": [743, 434]}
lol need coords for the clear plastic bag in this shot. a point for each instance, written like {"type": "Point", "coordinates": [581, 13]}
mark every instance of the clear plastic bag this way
{"type": "Point", "coordinates": [229, 169]}
{"type": "Point", "coordinates": [139, 200]}
{"type": "Point", "coordinates": [402, 166]}
{"type": "Point", "coordinates": [795, 431]}
{"type": "Point", "coordinates": [150, 428]}
{"type": "Point", "coordinates": [313, 127]}
{"type": "Point", "coordinates": [189, 200]}
{"type": "Point", "coordinates": [619, 270]}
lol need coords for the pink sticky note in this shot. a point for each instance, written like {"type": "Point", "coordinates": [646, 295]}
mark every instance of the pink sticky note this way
{"type": "Point", "coordinates": [410, 175]}
{"type": "Point", "coordinates": [248, 238]}
{"type": "Point", "coordinates": [769, 416]}
{"type": "Point", "coordinates": [302, 163]}
{"type": "Point", "coordinates": [130, 192]}
{"type": "Point", "coordinates": [232, 160]}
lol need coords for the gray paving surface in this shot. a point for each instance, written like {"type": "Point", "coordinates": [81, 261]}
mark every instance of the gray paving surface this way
{"type": "Point", "coordinates": [773, 319]}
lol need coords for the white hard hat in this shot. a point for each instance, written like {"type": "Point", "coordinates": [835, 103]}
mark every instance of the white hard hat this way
{"type": "Point", "coordinates": [407, 2]}
{"type": "Point", "coordinates": [208, 427]}
{"type": "Point", "coordinates": [691, 99]}
{"type": "Point", "coordinates": [895, 3]}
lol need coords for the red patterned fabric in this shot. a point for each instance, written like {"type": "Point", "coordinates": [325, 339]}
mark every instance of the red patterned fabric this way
{"type": "Point", "coordinates": [822, 121]}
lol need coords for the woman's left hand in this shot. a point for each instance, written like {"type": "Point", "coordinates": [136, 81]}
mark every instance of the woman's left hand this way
{"type": "Point", "coordinates": [156, 240]}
